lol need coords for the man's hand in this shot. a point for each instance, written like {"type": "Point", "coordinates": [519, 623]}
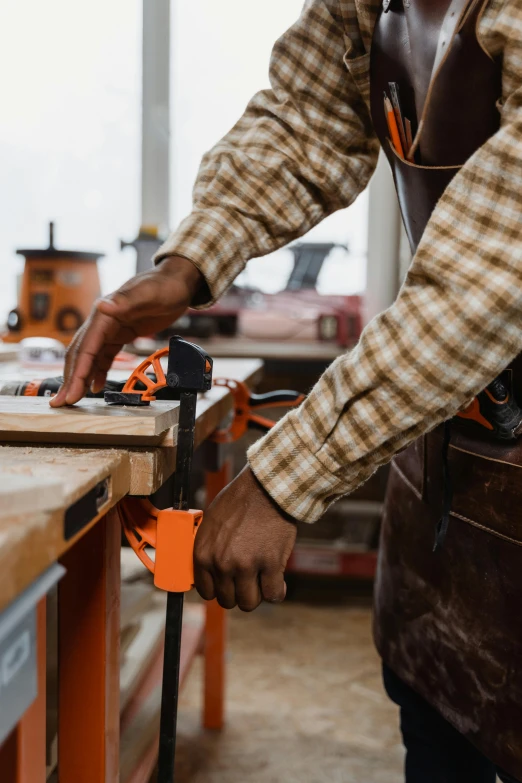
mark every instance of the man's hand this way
{"type": "Point", "coordinates": [146, 304]}
{"type": "Point", "coordinates": [243, 546]}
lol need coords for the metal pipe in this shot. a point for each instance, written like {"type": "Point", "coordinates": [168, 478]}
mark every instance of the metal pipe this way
{"type": "Point", "coordinates": [155, 139]}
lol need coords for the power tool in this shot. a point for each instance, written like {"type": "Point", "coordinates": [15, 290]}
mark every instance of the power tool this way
{"type": "Point", "coordinates": [495, 409]}
{"type": "Point", "coordinates": [48, 387]}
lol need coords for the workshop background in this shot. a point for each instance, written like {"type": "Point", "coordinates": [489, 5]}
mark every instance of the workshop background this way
{"type": "Point", "coordinates": [107, 110]}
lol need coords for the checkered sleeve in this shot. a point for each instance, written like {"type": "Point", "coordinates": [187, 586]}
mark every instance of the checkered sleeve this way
{"type": "Point", "coordinates": [455, 325]}
{"type": "Point", "coordinates": [302, 150]}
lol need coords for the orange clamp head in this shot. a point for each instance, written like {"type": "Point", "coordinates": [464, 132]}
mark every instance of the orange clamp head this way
{"type": "Point", "coordinates": [170, 532]}
{"type": "Point", "coordinates": [139, 375]}
{"type": "Point", "coordinates": [239, 424]}
{"type": "Point", "coordinates": [176, 534]}
{"type": "Point", "coordinates": [473, 413]}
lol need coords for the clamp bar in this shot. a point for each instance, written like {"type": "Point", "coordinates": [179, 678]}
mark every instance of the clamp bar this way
{"type": "Point", "coordinates": [190, 371]}
{"type": "Point", "coordinates": [172, 531]}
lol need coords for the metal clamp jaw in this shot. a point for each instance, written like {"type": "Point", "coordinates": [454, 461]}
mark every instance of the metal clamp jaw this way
{"type": "Point", "coordinates": [189, 370]}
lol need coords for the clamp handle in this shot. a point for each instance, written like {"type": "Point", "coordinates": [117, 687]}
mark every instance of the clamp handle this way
{"type": "Point", "coordinates": [245, 404]}
{"type": "Point", "coordinates": [170, 532]}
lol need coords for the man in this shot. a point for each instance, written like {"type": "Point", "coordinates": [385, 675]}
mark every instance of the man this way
{"type": "Point", "coordinates": [302, 150]}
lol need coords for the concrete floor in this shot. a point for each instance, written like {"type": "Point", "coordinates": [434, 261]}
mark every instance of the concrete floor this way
{"type": "Point", "coordinates": [305, 703]}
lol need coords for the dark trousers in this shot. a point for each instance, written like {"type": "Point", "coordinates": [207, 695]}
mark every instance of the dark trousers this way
{"type": "Point", "coordinates": [435, 751]}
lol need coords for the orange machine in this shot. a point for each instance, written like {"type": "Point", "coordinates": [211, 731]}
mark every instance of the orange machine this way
{"type": "Point", "coordinates": [57, 292]}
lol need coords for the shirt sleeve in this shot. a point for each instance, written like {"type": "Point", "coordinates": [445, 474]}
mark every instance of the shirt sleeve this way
{"type": "Point", "coordinates": [455, 325]}
{"type": "Point", "coordinates": [302, 150]}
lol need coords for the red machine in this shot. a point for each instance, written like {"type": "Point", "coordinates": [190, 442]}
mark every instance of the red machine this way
{"type": "Point", "coordinates": [299, 313]}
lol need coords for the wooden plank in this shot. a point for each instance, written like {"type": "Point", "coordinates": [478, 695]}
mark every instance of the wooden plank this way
{"type": "Point", "coordinates": [31, 419]}
{"type": "Point", "coordinates": [24, 494]}
{"type": "Point", "coordinates": [135, 601]}
{"type": "Point", "coordinates": [31, 542]}
{"type": "Point", "coordinates": [143, 648]}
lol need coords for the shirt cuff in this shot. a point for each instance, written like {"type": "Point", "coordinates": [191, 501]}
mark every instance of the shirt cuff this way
{"type": "Point", "coordinates": [292, 475]}
{"type": "Point", "coordinates": [205, 239]}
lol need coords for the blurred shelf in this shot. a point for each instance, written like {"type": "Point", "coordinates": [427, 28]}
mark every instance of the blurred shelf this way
{"type": "Point", "coordinates": [332, 558]}
{"type": "Point", "coordinates": [244, 348]}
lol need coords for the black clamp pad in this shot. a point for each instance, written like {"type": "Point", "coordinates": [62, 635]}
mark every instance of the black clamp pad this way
{"type": "Point", "coordinates": [123, 398]}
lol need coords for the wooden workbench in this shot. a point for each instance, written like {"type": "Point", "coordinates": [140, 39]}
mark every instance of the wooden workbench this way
{"type": "Point", "coordinates": [75, 524]}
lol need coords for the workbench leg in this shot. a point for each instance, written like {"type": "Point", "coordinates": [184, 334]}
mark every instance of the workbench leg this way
{"type": "Point", "coordinates": [23, 755]}
{"type": "Point", "coordinates": [89, 657]}
{"type": "Point", "coordinates": [215, 628]}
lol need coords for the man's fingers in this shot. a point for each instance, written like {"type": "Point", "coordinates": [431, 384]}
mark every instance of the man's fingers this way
{"type": "Point", "coordinates": [225, 590]}
{"type": "Point", "coordinates": [248, 594]}
{"type": "Point", "coordinates": [273, 587]}
{"type": "Point", "coordinates": [103, 365]}
{"type": "Point", "coordinates": [138, 298]}
{"type": "Point", "coordinates": [70, 357]}
{"type": "Point", "coordinates": [204, 583]}
{"type": "Point", "coordinates": [82, 356]}
{"type": "Point", "coordinates": [118, 305]}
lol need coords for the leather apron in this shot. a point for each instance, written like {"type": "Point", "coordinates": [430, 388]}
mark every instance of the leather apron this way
{"type": "Point", "coordinates": [449, 623]}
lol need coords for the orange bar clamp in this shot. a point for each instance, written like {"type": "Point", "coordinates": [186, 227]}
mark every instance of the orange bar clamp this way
{"type": "Point", "coordinates": [171, 532]}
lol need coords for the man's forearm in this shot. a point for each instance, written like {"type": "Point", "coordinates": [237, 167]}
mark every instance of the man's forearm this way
{"type": "Point", "coordinates": [301, 151]}
{"type": "Point", "coordinates": [455, 325]}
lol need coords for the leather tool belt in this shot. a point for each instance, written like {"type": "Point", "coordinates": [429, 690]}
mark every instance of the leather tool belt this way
{"type": "Point", "coordinates": [448, 623]}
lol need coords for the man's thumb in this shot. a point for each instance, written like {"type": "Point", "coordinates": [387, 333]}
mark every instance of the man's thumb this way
{"type": "Point", "coordinates": [114, 305]}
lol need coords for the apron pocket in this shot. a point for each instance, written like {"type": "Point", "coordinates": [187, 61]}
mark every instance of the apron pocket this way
{"type": "Point", "coordinates": [418, 189]}
{"type": "Point", "coordinates": [486, 477]}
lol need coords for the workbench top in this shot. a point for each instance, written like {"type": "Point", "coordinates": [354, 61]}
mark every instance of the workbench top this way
{"type": "Point", "coordinates": [52, 494]}
{"type": "Point", "coordinates": [31, 540]}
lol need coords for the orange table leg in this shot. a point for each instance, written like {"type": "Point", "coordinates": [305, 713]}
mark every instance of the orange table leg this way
{"type": "Point", "coordinates": [215, 629]}
{"type": "Point", "coordinates": [22, 756]}
{"type": "Point", "coordinates": [88, 663]}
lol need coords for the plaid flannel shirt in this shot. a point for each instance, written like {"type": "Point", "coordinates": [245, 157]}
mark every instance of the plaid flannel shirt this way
{"type": "Point", "coordinates": [306, 148]}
